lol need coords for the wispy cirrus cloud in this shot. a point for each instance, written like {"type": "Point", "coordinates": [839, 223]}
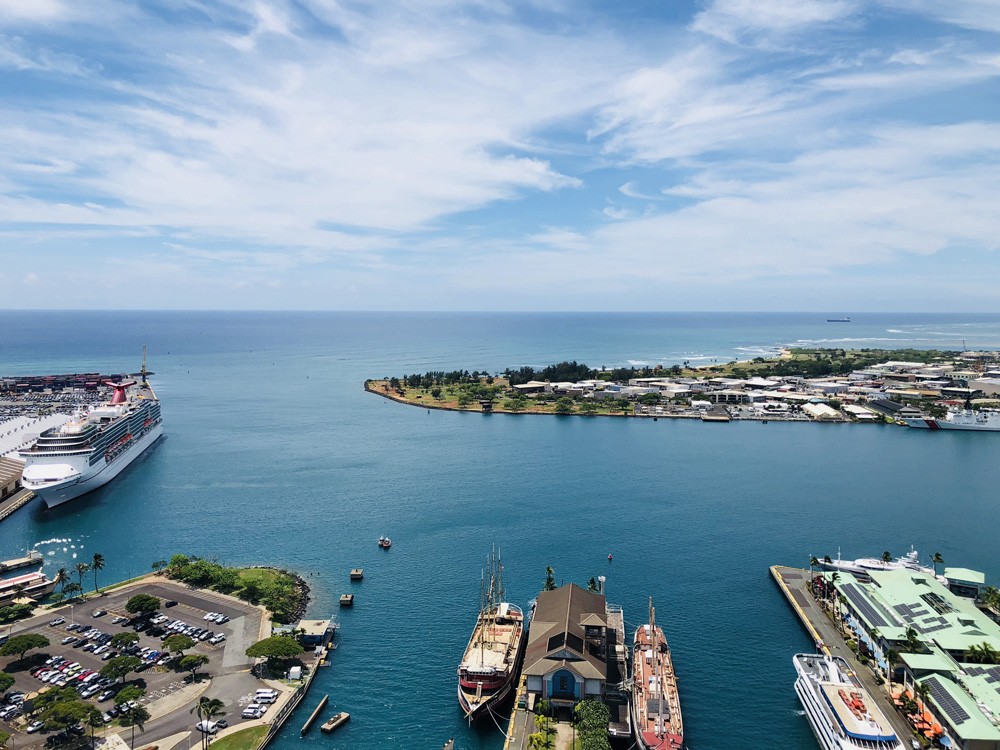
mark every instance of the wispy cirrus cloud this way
{"type": "Point", "coordinates": [325, 146]}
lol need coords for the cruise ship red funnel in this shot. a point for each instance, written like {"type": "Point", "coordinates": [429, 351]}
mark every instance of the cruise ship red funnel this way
{"type": "Point", "coordinates": [119, 397]}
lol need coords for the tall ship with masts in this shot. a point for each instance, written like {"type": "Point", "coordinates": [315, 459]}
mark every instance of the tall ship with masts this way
{"type": "Point", "coordinates": [656, 705]}
{"type": "Point", "coordinates": [94, 446]}
{"type": "Point", "coordinates": [492, 659]}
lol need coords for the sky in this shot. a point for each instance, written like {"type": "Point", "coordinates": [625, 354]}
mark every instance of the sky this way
{"type": "Point", "coordinates": [837, 155]}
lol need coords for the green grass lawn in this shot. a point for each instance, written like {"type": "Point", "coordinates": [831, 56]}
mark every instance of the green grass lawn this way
{"type": "Point", "coordinates": [245, 739]}
{"type": "Point", "coordinates": [261, 576]}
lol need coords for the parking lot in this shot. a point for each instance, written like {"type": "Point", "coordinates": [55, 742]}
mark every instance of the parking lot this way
{"type": "Point", "coordinates": [80, 645]}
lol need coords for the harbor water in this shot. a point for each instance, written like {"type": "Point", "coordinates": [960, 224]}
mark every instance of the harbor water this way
{"type": "Point", "coordinates": [275, 455]}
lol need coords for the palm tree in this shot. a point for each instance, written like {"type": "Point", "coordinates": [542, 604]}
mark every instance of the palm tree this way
{"type": "Point", "coordinates": [96, 565]}
{"type": "Point", "coordinates": [937, 560]}
{"type": "Point", "coordinates": [984, 653]}
{"type": "Point", "coordinates": [550, 580]}
{"type": "Point", "coordinates": [61, 578]}
{"type": "Point", "coordinates": [136, 716]}
{"type": "Point", "coordinates": [207, 709]}
{"type": "Point", "coordinates": [990, 597]}
{"type": "Point", "coordinates": [813, 563]}
{"type": "Point", "coordinates": [891, 657]}
{"type": "Point", "coordinates": [827, 559]}
{"type": "Point", "coordinates": [94, 720]}
{"type": "Point", "coordinates": [159, 565]}
{"type": "Point", "coordinates": [72, 588]}
{"type": "Point", "coordinates": [923, 691]}
{"type": "Point", "coordinates": [913, 644]}
{"type": "Point", "coordinates": [886, 556]}
{"type": "Point", "coordinates": [834, 580]}
{"type": "Point", "coordinates": [81, 570]}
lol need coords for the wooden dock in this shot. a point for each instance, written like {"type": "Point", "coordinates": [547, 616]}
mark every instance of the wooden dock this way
{"type": "Point", "coordinates": [15, 502]}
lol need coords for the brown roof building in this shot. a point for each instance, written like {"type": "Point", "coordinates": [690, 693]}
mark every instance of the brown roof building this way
{"type": "Point", "coordinates": [567, 656]}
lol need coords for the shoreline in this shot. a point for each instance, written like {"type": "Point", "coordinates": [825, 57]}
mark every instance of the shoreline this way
{"type": "Point", "coordinates": [471, 410]}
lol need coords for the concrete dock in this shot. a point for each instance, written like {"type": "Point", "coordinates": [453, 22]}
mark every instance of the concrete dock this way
{"type": "Point", "coordinates": [16, 501]}
{"type": "Point", "coordinates": [32, 558]}
{"type": "Point", "coordinates": [793, 583]}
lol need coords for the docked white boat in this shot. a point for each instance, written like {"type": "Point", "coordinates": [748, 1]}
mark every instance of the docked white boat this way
{"type": "Point", "coordinates": [862, 565]}
{"type": "Point", "coordinates": [94, 446]}
{"type": "Point", "coordinates": [982, 420]}
{"type": "Point", "coordinates": [841, 713]}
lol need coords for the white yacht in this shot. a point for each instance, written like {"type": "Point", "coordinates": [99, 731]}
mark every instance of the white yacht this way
{"type": "Point", "coordinates": [842, 714]}
{"type": "Point", "coordinates": [909, 561]}
{"type": "Point", "coordinates": [94, 446]}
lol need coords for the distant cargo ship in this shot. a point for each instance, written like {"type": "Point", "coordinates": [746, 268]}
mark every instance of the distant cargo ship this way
{"type": "Point", "coordinates": [983, 420]}
{"type": "Point", "coordinates": [838, 320]}
{"type": "Point", "coordinates": [95, 446]}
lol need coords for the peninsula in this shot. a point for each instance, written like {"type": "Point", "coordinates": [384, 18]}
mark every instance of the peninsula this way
{"type": "Point", "coordinates": [857, 385]}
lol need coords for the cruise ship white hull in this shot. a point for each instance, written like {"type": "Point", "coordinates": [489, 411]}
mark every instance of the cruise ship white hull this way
{"type": "Point", "coordinates": [57, 493]}
{"type": "Point", "coordinates": [840, 728]}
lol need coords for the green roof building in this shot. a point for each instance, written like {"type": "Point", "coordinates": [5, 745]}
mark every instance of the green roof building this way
{"type": "Point", "coordinates": [964, 697]}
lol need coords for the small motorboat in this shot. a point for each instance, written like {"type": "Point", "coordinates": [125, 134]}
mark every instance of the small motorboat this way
{"type": "Point", "coordinates": [335, 722]}
{"type": "Point", "coordinates": [357, 574]}
{"type": "Point", "coordinates": [347, 600]}
{"type": "Point", "coordinates": [384, 542]}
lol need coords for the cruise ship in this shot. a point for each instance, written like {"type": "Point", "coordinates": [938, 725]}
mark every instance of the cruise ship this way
{"type": "Point", "coordinates": [982, 420]}
{"type": "Point", "coordinates": [656, 706]}
{"type": "Point", "coordinates": [842, 715]}
{"type": "Point", "coordinates": [493, 657]}
{"type": "Point", "coordinates": [94, 446]}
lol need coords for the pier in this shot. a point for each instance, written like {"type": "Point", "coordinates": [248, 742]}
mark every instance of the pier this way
{"type": "Point", "coordinates": [793, 583]}
{"type": "Point", "coordinates": [32, 558]}
{"type": "Point", "coordinates": [15, 502]}
{"type": "Point", "coordinates": [315, 714]}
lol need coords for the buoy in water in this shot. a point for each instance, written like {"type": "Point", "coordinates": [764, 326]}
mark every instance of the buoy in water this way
{"type": "Point", "coordinates": [609, 557]}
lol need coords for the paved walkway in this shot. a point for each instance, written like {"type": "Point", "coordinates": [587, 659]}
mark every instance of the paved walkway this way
{"type": "Point", "coordinates": [793, 583]}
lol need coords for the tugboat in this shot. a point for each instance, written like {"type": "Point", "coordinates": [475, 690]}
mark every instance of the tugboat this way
{"type": "Point", "coordinates": [384, 542]}
{"type": "Point", "coordinates": [493, 657]}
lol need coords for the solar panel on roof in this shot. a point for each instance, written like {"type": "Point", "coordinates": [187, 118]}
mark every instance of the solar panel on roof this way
{"type": "Point", "coordinates": [863, 606]}
{"type": "Point", "coordinates": [945, 700]}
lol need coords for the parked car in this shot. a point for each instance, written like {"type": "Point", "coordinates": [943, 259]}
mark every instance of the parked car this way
{"type": "Point", "coordinates": [34, 727]}
{"type": "Point", "coordinates": [57, 621]}
{"type": "Point", "coordinates": [170, 603]}
{"type": "Point", "coordinates": [99, 612]}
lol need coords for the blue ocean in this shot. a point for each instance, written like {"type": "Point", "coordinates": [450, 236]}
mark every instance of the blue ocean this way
{"type": "Point", "coordinates": [275, 455]}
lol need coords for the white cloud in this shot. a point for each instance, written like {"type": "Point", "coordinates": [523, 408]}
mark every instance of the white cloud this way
{"type": "Point", "coordinates": [973, 14]}
{"type": "Point", "coordinates": [263, 148]}
{"type": "Point", "coordinates": [32, 11]}
{"type": "Point", "coordinates": [731, 20]}
{"type": "Point", "coordinates": [289, 134]}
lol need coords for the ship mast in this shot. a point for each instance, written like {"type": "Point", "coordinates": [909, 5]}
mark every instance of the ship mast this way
{"type": "Point", "coordinates": [143, 370]}
{"type": "Point", "coordinates": [499, 578]}
{"type": "Point", "coordinates": [659, 675]}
